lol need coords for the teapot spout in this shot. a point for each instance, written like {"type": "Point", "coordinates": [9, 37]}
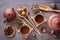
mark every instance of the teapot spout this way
{"type": "Point", "coordinates": [5, 20]}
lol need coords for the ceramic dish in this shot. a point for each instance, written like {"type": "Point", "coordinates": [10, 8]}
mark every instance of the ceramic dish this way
{"type": "Point", "coordinates": [9, 31]}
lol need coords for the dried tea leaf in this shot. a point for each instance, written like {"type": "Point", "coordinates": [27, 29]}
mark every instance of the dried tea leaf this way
{"type": "Point", "coordinates": [17, 22]}
{"type": "Point", "coordinates": [35, 8]}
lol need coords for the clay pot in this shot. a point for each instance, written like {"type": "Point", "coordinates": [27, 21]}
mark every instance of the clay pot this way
{"type": "Point", "coordinates": [9, 14]}
{"type": "Point", "coordinates": [54, 22]}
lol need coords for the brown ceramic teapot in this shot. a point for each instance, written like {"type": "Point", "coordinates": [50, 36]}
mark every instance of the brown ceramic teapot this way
{"type": "Point", "coordinates": [54, 23]}
{"type": "Point", "coordinates": [9, 14]}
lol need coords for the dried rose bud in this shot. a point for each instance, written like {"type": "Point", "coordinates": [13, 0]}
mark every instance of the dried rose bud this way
{"type": "Point", "coordinates": [33, 35]}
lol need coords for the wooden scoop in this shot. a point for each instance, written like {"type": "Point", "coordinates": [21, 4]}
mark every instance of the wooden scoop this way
{"type": "Point", "coordinates": [46, 8]}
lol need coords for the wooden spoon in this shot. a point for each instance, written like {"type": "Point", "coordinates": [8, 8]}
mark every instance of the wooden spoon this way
{"type": "Point", "coordinates": [46, 8]}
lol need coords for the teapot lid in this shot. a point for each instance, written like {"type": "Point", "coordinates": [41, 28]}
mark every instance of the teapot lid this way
{"type": "Point", "coordinates": [54, 22]}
